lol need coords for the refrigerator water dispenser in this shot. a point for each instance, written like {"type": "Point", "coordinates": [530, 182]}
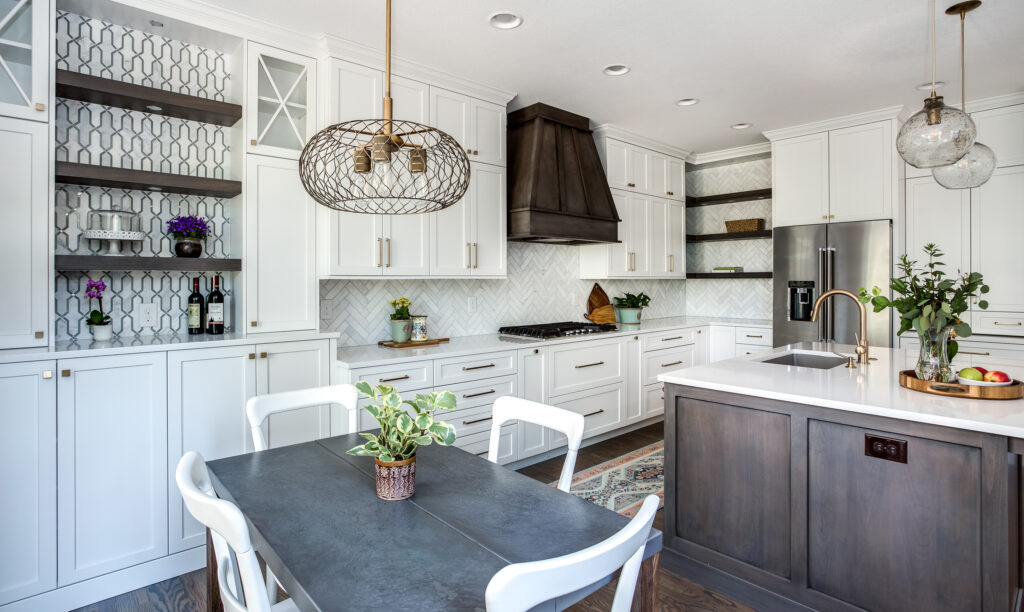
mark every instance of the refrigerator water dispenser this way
{"type": "Point", "coordinates": [801, 300]}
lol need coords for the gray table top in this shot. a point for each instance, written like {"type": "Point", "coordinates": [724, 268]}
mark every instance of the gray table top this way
{"type": "Point", "coordinates": [316, 520]}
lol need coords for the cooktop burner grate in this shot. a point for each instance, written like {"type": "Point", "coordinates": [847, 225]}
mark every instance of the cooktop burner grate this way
{"type": "Point", "coordinates": [556, 330]}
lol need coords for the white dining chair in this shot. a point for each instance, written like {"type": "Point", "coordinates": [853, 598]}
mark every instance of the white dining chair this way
{"type": "Point", "coordinates": [569, 423]}
{"type": "Point", "coordinates": [521, 586]}
{"type": "Point", "coordinates": [238, 570]}
{"type": "Point", "coordinates": [258, 409]}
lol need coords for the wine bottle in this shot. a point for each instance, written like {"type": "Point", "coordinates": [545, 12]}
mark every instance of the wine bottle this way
{"type": "Point", "coordinates": [195, 309]}
{"type": "Point", "coordinates": [215, 309]}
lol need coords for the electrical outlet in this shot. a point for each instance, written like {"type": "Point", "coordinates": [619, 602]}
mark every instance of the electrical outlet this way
{"type": "Point", "coordinates": [148, 314]}
{"type": "Point", "coordinates": [471, 304]}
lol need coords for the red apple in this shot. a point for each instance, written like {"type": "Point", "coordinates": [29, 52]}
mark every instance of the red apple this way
{"type": "Point", "coordinates": [996, 376]}
{"type": "Point", "coordinates": [982, 370]}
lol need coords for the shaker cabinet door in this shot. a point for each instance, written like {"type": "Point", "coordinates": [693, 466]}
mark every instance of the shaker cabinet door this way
{"type": "Point", "coordinates": [800, 186]}
{"type": "Point", "coordinates": [997, 250]}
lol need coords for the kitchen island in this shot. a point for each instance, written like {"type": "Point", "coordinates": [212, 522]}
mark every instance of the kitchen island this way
{"type": "Point", "coordinates": [837, 489]}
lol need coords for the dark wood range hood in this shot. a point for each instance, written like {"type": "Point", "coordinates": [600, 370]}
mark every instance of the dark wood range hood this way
{"type": "Point", "coordinates": [557, 189]}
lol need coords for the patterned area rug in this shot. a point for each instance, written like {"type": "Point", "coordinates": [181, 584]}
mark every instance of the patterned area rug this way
{"type": "Point", "coordinates": [622, 483]}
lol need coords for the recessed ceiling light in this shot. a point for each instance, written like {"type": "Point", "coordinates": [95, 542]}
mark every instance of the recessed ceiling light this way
{"type": "Point", "coordinates": [156, 24]}
{"type": "Point", "coordinates": [687, 102]}
{"type": "Point", "coordinates": [616, 69]}
{"type": "Point", "coordinates": [154, 108]}
{"type": "Point", "coordinates": [741, 126]}
{"type": "Point", "coordinates": [504, 20]}
{"type": "Point", "coordinates": [928, 86]}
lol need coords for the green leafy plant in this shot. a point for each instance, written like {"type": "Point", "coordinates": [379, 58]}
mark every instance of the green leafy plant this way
{"type": "Point", "coordinates": [401, 306]}
{"type": "Point", "coordinates": [929, 300]}
{"type": "Point", "coordinates": [633, 301]}
{"type": "Point", "coordinates": [401, 433]}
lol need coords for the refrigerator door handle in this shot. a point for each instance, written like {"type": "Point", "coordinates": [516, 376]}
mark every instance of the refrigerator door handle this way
{"type": "Point", "coordinates": [822, 288]}
{"type": "Point", "coordinates": [830, 261]}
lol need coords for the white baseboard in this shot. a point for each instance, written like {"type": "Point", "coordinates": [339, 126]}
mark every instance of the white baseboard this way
{"type": "Point", "coordinates": [515, 465]}
{"type": "Point", "coordinates": [112, 584]}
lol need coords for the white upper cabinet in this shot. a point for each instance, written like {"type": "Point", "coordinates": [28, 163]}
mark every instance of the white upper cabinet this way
{"type": "Point", "coordinates": [406, 245]}
{"type": "Point", "coordinates": [354, 92]}
{"type": "Point", "coordinates": [25, 59]}
{"type": "Point", "coordinates": [860, 162]}
{"type": "Point", "coordinates": [667, 240]}
{"type": "Point", "coordinates": [452, 253]}
{"type": "Point", "coordinates": [651, 241]}
{"type": "Point", "coordinates": [632, 168]}
{"type": "Point", "coordinates": [941, 216]}
{"type": "Point", "coordinates": [280, 275]}
{"type": "Point", "coordinates": [615, 155]}
{"type": "Point", "coordinates": [410, 100]}
{"type": "Point", "coordinates": [657, 175]}
{"type": "Point", "coordinates": [476, 125]}
{"type": "Point", "coordinates": [25, 250]}
{"type": "Point", "coordinates": [800, 180]}
{"type": "Point", "coordinates": [280, 101]}
{"type": "Point", "coordinates": [450, 113]}
{"type": "Point", "coordinates": [1002, 130]}
{"type": "Point", "coordinates": [997, 216]}
{"type": "Point", "coordinates": [676, 180]}
{"type": "Point", "coordinates": [639, 170]}
{"type": "Point", "coordinates": [487, 186]}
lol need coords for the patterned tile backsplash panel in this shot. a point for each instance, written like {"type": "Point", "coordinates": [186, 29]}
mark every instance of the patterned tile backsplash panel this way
{"type": "Point", "coordinates": [543, 286]}
{"type": "Point", "coordinates": [95, 134]}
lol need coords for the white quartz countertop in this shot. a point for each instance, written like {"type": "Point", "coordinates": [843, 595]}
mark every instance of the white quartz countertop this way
{"type": "Point", "coordinates": [872, 389]}
{"type": "Point", "coordinates": [370, 355]}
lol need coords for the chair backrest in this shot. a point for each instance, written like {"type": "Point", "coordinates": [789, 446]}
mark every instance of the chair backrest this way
{"type": "Point", "coordinates": [259, 408]}
{"type": "Point", "coordinates": [239, 573]}
{"type": "Point", "coordinates": [569, 423]}
{"type": "Point", "coordinates": [521, 586]}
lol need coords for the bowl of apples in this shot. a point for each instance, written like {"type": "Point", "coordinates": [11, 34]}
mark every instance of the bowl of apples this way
{"type": "Point", "coordinates": [982, 377]}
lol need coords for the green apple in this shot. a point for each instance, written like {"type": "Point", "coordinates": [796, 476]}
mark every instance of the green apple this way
{"type": "Point", "coordinates": [970, 374]}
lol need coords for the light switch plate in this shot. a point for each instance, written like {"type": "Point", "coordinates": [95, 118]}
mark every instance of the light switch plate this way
{"type": "Point", "coordinates": [148, 314]}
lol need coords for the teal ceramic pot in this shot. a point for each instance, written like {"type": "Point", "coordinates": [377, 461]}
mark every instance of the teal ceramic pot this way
{"type": "Point", "coordinates": [401, 330]}
{"type": "Point", "coordinates": [629, 315]}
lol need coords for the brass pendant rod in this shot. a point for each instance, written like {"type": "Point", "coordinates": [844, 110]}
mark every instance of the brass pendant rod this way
{"type": "Point", "coordinates": [388, 104]}
{"type": "Point", "coordinates": [932, 5]}
{"type": "Point", "coordinates": [963, 71]}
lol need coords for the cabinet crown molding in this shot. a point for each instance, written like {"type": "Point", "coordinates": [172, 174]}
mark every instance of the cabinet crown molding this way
{"type": "Point", "coordinates": [734, 153]}
{"type": "Point", "coordinates": [984, 104]}
{"type": "Point", "coordinates": [835, 123]}
{"type": "Point", "coordinates": [349, 51]}
{"type": "Point", "coordinates": [607, 130]}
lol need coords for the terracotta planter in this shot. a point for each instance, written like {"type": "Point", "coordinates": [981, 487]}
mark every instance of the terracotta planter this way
{"type": "Point", "coordinates": [396, 479]}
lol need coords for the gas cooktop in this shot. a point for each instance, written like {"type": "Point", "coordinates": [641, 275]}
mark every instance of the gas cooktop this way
{"type": "Point", "coordinates": [556, 330]}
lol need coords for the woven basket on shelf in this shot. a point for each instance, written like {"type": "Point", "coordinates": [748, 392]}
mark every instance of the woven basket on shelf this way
{"type": "Point", "coordinates": [744, 225]}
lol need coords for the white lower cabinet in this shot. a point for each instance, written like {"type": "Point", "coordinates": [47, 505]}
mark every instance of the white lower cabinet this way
{"type": "Point", "coordinates": [603, 409]}
{"type": "Point", "coordinates": [28, 478]}
{"type": "Point", "coordinates": [111, 463]}
{"type": "Point", "coordinates": [289, 366]}
{"type": "Point", "coordinates": [722, 343]}
{"type": "Point", "coordinates": [479, 443]}
{"type": "Point", "coordinates": [633, 346]}
{"type": "Point", "coordinates": [654, 400]}
{"type": "Point", "coordinates": [532, 382]}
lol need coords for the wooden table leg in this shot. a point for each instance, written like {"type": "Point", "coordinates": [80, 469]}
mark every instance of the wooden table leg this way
{"type": "Point", "coordinates": [648, 585]}
{"type": "Point", "coordinates": [213, 602]}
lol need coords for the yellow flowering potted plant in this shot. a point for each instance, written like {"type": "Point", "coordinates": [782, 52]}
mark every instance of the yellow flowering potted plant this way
{"type": "Point", "coordinates": [401, 323]}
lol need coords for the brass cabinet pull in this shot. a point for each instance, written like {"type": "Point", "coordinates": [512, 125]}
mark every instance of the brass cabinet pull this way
{"type": "Point", "coordinates": [672, 338]}
{"type": "Point", "coordinates": [252, 355]}
{"type": "Point", "coordinates": [589, 365]}
{"type": "Point", "coordinates": [483, 453]}
{"type": "Point", "coordinates": [630, 184]}
{"type": "Point", "coordinates": [263, 355]}
{"type": "Point", "coordinates": [39, 335]}
{"type": "Point", "coordinates": [476, 255]}
{"type": "Point", "coordinates": [476, 421]}
{"type": "Point", "coordinates": [536, 351]}
{"type": "Point", "coordinates": [469, 255]}
{"type": "Point", "coordinates": [665, 365]}
{"type": "Point", "coordinates": [824, 216]}
{"type": "Point", "coordinates": [387, 380]}
{"type": "Point", "coordinates": [469, 395]}
{"type": "Point", "coordinates": [831, 216]}
{"type": "Point", "coordinates": [65, 373]}
{"type": "Point", "coordinates": [752, 336]}
{"type": "Point", "coordinates": [252, 323]}
{"type": "Point", "coordinates": [389, 251]}
{"type": "Point", "coordinates": [479, 367]}
{"type": "Point", "coordinates": [380, 252]}
{"type": "Point", "coordinates": [469, 151]}
{"type": "Point", "coordinates": [1017, 324]}
{"type": "Point", "coordinates": [40, 106]}
{"type": "Point", "coordinates": [475, 152]}
{"type": "Point", "coordinates": [253, 142]}
{"type": "Point", "coordinates": [669, 193]}
{"type": "Point", "coordinates": [671, 262]}
{"type": "Point", "coordinates": [47, 374]}
{"type": "Point", "coordinates": [975, 353]}
{"type": "Point", "coordinates": [593, 413]}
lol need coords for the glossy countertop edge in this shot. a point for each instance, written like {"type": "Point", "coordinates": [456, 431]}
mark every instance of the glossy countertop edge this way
{"type": "Point", "coordinates": [156, 343]}
{"type": "Point", "coordinates": [836, 389]}
{"type": "Point", "coordinates": [370, 355]}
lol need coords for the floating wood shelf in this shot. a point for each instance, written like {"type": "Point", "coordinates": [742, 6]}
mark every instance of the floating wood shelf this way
{"type": "Point", "coordinates": [729, 198]}
{"type": "Point", "coordinates": [109, 92]}
{"type": "Point", "coordinates": [728, 236]}
{"type": "Point", "coordinates": [122, 262]}
{"type": "Point", "coordinates": [728, 275]}
{"type": "Point", "coordinates": [121, 178]}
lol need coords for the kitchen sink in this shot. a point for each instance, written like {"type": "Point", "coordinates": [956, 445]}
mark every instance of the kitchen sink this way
{"type": "Point", "coordinates": [807, 359]}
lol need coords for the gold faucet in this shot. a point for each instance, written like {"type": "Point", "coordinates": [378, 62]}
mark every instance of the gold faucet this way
{"type": "Point", "coordinates": [862, 339]}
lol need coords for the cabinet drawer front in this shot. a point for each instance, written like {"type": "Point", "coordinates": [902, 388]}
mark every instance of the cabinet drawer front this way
{"type": "Point", "coordinates": [603, 410]}
{"type": "Point", "coordinates": [402, 376]}
{"type": "Point", "coordinates": [998, 323]}
{"type": "Point", "coordinates": [743, 350]}
{"type": "Point", "coordinates": [753, 335]}
{"type": "Point", "coordinates": [480, 393]}
{"type": "Point", "coordinates": [479, 443]}
{"type": "Point", "coordinates": [577, 367]}
{"type": "Point", "coordinates": [470, 420]}
{"type": "Point", "coordinates": [473, 367]}
{"type": "Point", "coordinates": [659, 362]}
{"type": "Point", "coordinates": [670, 339]}
{"type": "Point", "coordinates": [654, 400]}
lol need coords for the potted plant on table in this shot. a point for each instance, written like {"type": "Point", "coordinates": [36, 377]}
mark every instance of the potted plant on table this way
{"type": "Point", "coordinates": [99, 323]}
{"type": "Point", "coordinates": [931, 305]}
{"type": "Point", "coordinates": [189, 234]}
{"type": "Point", "coordinates": [630, 306]}
{"type": "Point", "coordinates": [401, 323]}
{"type": "Point", "coordinates": [401, 433]}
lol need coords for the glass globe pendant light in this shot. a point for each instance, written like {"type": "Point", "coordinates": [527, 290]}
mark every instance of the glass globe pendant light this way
{"type": "Point", "coordinates": [936, 135]}
{"type": "Point", "coordinates": [975, 168]}
{"type": "Point", "coordinates": [384, 166]}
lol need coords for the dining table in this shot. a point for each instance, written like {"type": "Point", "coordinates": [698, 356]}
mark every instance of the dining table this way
{"type": "Point", "coordinates": [315, 519]}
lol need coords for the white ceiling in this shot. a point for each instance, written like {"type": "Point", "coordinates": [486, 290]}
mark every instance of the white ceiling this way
{"type": "Point", "coordinates": [773, 64]}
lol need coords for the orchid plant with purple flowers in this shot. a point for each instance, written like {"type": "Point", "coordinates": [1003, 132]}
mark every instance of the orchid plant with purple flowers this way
{"type": "Point", "coordinates": [189, 227]}
{"type": "Point", "coordinates": [94, 290]}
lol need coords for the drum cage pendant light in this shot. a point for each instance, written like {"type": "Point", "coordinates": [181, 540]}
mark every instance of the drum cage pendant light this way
{"type": "Point", "coordinates": [937, 135]}
{"type": "Point", "coordinates": [384, 166]}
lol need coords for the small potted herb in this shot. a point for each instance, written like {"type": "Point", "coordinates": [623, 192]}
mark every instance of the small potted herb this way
{"type": "Point", "coordinates": [98, 322]}
{"type": "Point", "coordinates": [401, 323]}
{"type": "Point", "coordinates": [630, 307]}
{"type": "Point", "coordinates": [189, 234]}
{"type": "Point", "coordinates": [401, 433]}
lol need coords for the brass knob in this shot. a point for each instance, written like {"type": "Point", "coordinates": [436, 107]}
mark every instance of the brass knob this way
{"type": "Point", "coordinates": [40, 106]}
{"type": "Point", "coordinates": [469, 151]}
{"type": "Point", "coordinates": [263, 355]}
{"type": "Point", "coordinates": [669, 193]}
{"type": "Point", "coordinates": [630, 184]}
{"type": "Point", "coordinates": [65, 373]}
{"type": "Point", "coordinates": [636, 337]}
{"type": "Point", "coordinates": [831, 216]}
{"type": "Point", "coordinates": [698, 331]}
{"type": "Point", "coordinates": [824, 216]}
{"type": "Point", "coordinates": [252, 323]}
{"type": "Point", "coordinates": [252, 355]}
{"type": "Point", "coordinates": [475, 152]}
{"type": "Point", "coordinates": [535, 351]}
{"type": "Point", "coordinates": [39, 335]}
{"type": "Point", "coordinates": [253, 142]}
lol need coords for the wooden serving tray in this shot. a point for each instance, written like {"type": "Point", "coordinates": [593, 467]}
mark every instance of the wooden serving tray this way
{"type": "Point", "coordinates": [909, 379]}
{"type": "Point", "coordinates": [411, 344]}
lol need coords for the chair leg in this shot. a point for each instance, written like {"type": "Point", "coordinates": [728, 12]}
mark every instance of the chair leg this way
{"type": "Point", "coordinates": [648, 585]}
{"type": "Point", "coordinates": [213, 601]}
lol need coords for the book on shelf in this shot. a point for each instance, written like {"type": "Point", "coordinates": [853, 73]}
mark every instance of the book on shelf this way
{"type": "Point", "coordinates": [728, 268]}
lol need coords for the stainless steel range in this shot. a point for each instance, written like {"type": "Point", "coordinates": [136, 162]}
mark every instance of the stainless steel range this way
{"type": "Point", "coordinates": [556, 330]}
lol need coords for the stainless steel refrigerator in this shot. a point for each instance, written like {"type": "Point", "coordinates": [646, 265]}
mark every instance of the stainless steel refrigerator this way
{"type": "Point", "coordinates": [811, 259]}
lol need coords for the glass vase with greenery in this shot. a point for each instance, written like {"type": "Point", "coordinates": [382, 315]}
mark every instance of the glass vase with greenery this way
{"type": "Point", "coordinates": [931, 303]}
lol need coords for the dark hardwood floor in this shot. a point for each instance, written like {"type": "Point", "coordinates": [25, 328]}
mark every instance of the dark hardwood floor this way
{"type": "Point", "coordinates": [187, 593]}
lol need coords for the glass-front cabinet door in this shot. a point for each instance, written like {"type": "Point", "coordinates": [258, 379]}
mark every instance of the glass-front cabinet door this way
{"type": "Point", "coordinates": [281, 101]}
{"type": "Point", "coordinates": [24, 58]}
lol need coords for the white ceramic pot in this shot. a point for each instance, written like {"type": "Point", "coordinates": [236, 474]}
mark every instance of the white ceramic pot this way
{"type": "Point", "coordinates": [101, 333]}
